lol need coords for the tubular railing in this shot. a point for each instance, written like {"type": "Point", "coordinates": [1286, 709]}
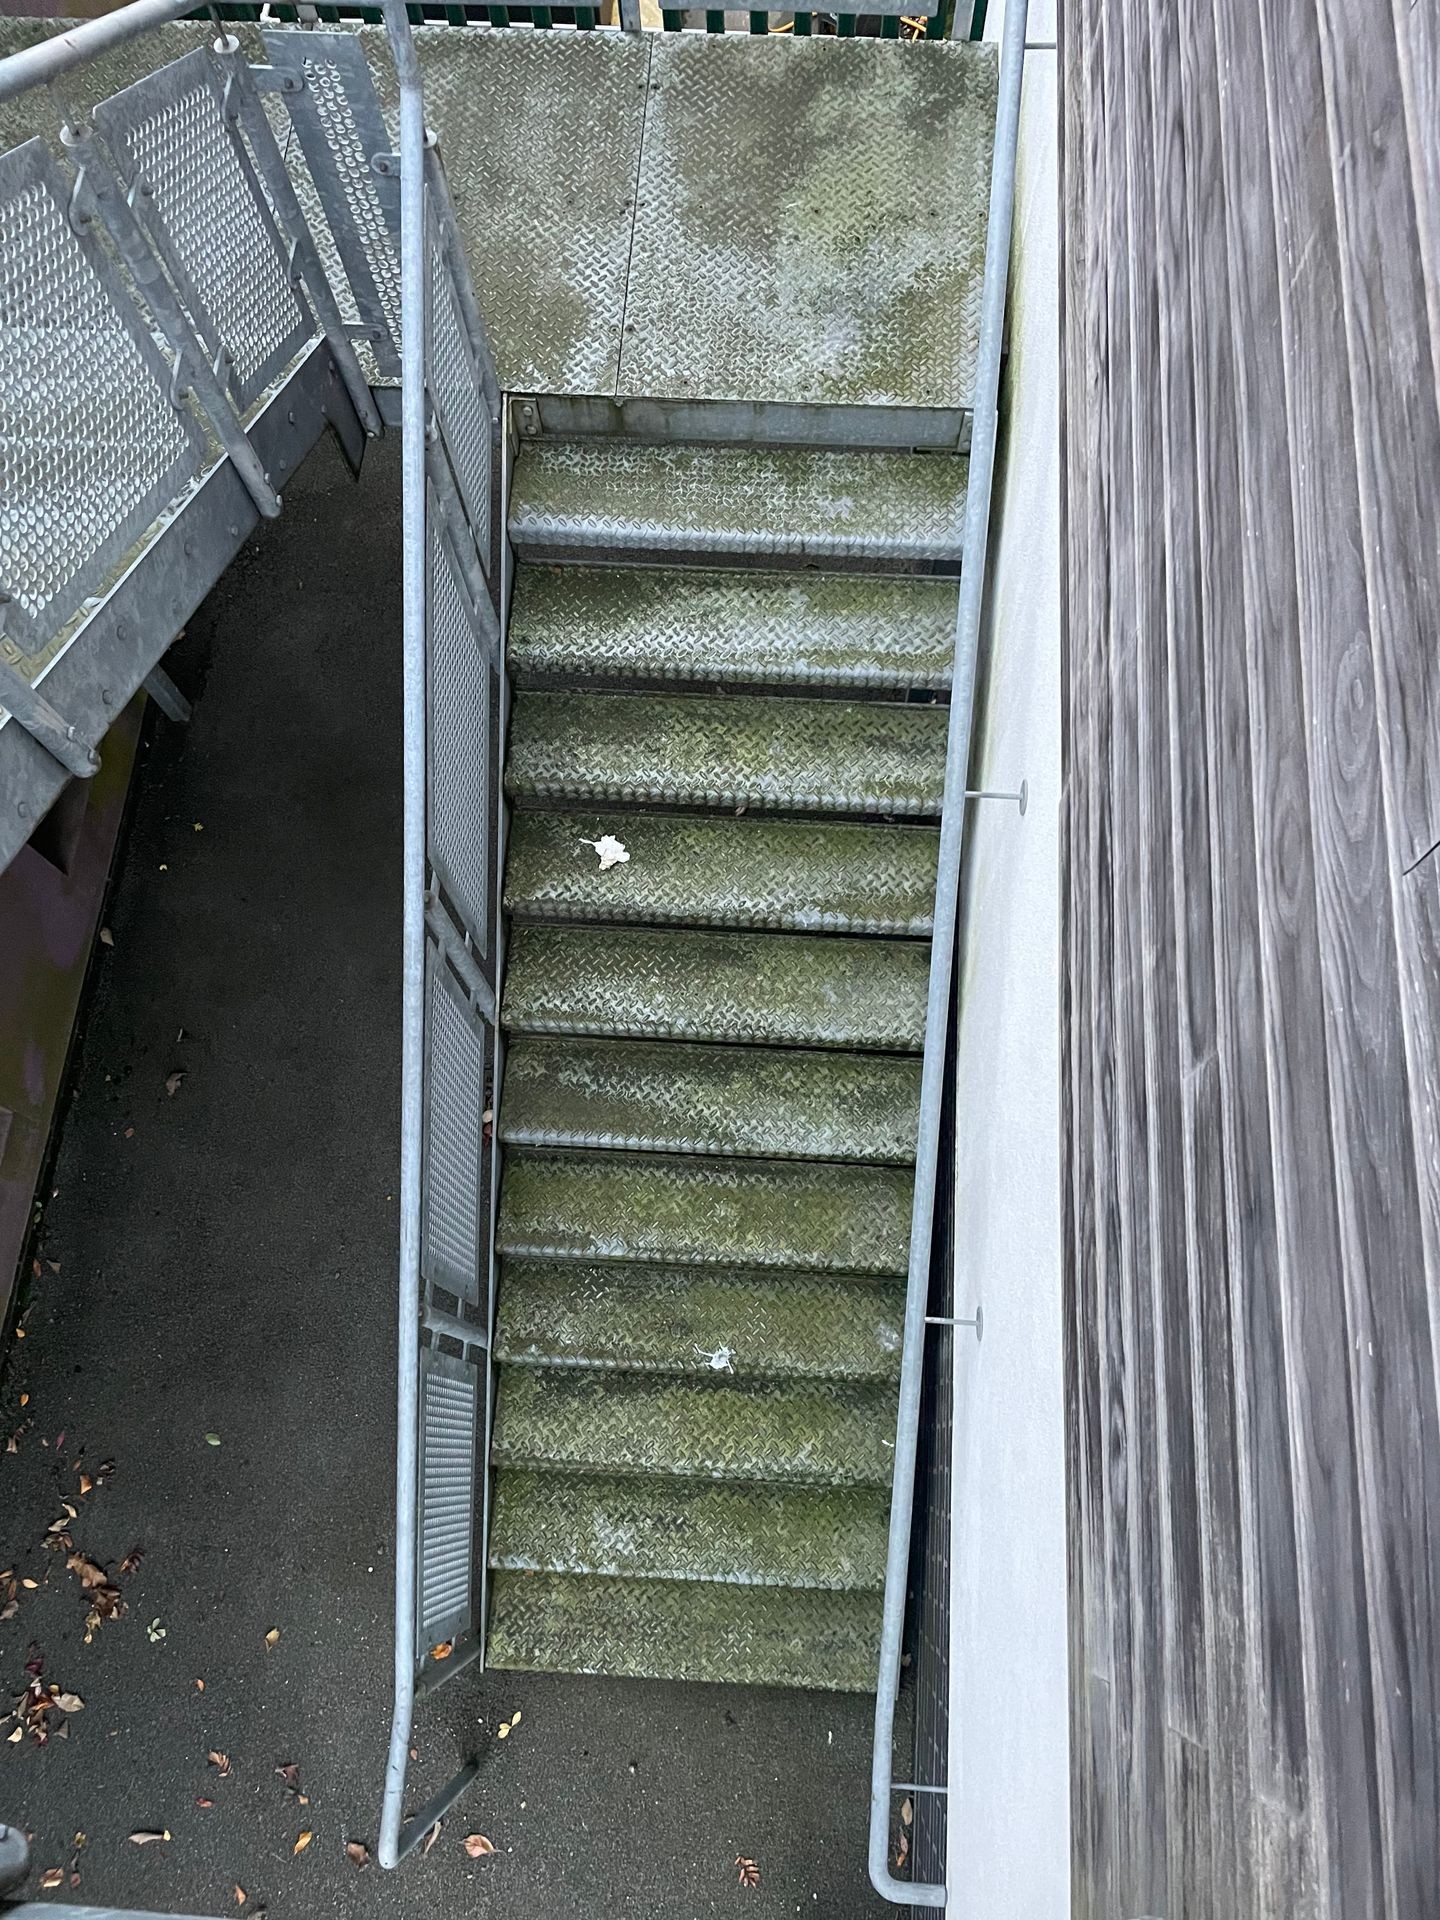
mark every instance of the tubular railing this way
{"type": "Point", "coordinates": [942, 963]}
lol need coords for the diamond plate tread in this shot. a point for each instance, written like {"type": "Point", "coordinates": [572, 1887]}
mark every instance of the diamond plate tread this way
{"type": "Point", "coordinates": [755, 988]}
{"type": "Point", "coordinates": [630, 500]}
{"type": "Point", "coordinates": [663, 1096]}
{"type": "Point", "coordinates": [799, 1433]}
{"type": "Point", "coordinates": [685, 1630]}
{"type": "Point", "coordinates": [697, 1320]}
{"type": "Point", "coordinates": [812, 221]}
{"type": "Point", "coordinates": [840, 630]}
{"type": "Point", "coordinates": [682, 868]}
{"type": "Point", "coordinates": [644, 1528]}
{"type": "Point", "coordinates": [814, 1216]}
{"type": "Point", "coordinates": [749, 750]}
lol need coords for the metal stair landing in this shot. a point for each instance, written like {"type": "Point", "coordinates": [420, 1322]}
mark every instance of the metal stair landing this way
{"type": "Point", "coordinates": [712, 1086]}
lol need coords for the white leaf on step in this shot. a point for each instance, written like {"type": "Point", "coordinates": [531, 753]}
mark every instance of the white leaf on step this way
{"type": "Point", "coordinates": [722, 1360]}
{"type": "Point", "coordinates": [612, 852]}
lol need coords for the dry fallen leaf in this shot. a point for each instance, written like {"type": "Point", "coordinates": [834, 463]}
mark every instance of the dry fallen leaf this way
{"type": "Point", "coordinates": [18, 1734]}
{"type": "Point", "coordinates": [240, 1895]}
{"type": "Point", "coordinates": [52, 1877]}
{"type": "Point", "coordinates": [303, 1841]}
{"type": "Point", "coordinates": [87, 1485]}
{"type": "Point", "coordinates": [902, 1852]}
{"type": "Point", "coordinates": [29, 1584]}
{"type": "Point", "coordinates": [155, 1631]}
{"type": "Point", "coordinates": [357, 1852]}
{"type": "Point", "coordinates": [147, 1834]}
{"type": "Point", "coordinates": [612, 852]}
{"type": "Point", "coordinates": [507, 1727]}
{"type": "Point", "coordinates": [68, 1702]}
{"type": "Point", "coordinates": [107, 938]}
{"type": "Point", "coordinates": [748, 1871]}
{"type": "Point", "coordinates": [172, 1082]}
{"type": "Point", "coordinates": [907, 1812]}
{"type": "Point", "coordinates": [212, 1440]}
{"type": "Point", "coordinates": [90, 1574]}
{"type": "Point", "coordinates": [199, 1686]}
{"type": "Point", "coordinates": [201, 1801]}
{"type": "Point", "coordinates": [272, 1638]}
{"type": "Point", "coordinates": [132, 1560]}
{"type": "Point", "coordinates": [442, 1650]}
{"type": "Point", "coordinates": [477, 1846]}
{"type": "Point", "coordinates": [431, 1837]}
{"type": "Point", "coordinates": [220, 1762]}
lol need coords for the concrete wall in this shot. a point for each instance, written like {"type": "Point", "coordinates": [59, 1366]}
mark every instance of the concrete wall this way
{"type": "Point", "coordinates": [1009, 1809]}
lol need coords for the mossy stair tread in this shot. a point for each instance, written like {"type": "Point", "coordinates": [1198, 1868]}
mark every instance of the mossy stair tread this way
{"type": "Point", "coordinates": [751, 988]}
{"type": "Point", "coordinates": [812, 1216]}
{"type": "Point", "coordinates": [809, 876]}
{"type": "Point", "coordinates": [795, 1433]}
{"type": "Point", "coordinates": [711, 1322]}
{"type": "Point", "coordinates": [685, 1630]}
{"type": "Point", "coordinates": [624, 498]}
{"type": "Point", "coordinates": [703, 625]}
{"type": "Point", "coordinates": [665, 1096]}
{"type": "Point", "coordinates": [639, 1527]}
{"type": "Point", "coordinates": [757, 751]}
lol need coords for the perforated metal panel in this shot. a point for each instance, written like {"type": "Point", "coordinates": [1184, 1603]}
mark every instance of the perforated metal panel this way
{"type": "Point", "coordinates": [340, 128]}
{"type": "Point", "coordinates": [454, 1207]}
{"type": "Point", "coordinates": [461, 745]}
{"type": "Point", "coordinates": [449, 1433]}
{"type": "Point", "coordinates": [457, 387]}
{"type": "Point", "coordinates": [91, 447]}
{"type": "Point", "coordinates": [201, 204]}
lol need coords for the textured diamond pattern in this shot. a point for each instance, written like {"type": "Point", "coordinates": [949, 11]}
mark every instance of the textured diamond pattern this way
{"type": "Point", "coordinates": [798, 1433]}
{"type": "Point", "coordinates": [784, 989]}
{"type": "Point", "coordinates": [691, 624]}
{"type": "Point", "coordinates": [449, 1415]}
{"type": "Point", "coordinates": [661, 1097]}
{"type": "Point", "coordinates": [709, 1213]}
{"type": "Point", "coordinates": [636, 1526]}
{"type": "Point", "coordinates": [455, 1099]}
{"type": "Point", "coordinates": [715, 1324]}
{"type": "Point", "coordinates": [725, 873]}
{"type": "Point", "coordinates": [460, 745]}
{"type": "Point", "coordinates": [455, 388]}
{"type": "Point", "coordinates": [90, 446]}
{"type": "Point", "coordinates": [648, 502]}
{"type": "Point", "coordinates": [828, 201]}
{"type": "Point", "coordinates": [685, 1630]}
{"type": "Point", "coordinates": [823, 756]}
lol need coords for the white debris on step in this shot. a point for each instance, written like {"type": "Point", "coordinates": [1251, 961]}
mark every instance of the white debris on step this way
{"type": "Point", "coordinates": [612, 852]}
{"type": "Point", "coordinates": [722, 1360]}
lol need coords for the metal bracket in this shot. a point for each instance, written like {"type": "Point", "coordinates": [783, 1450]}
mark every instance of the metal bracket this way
{"type": "Point", "coordinates": [167, 696]}
{"type": "Point", "coordinates": [442, 931]}
{"type": "Point", "coordinates": [986, 793]}
{"type": "Point", "coordinates": [954, 1320]}
{"type": "Point", "coordinates": [51, 730]}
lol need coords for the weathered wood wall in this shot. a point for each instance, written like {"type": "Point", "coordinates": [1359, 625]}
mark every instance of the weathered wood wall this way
{"type": "Point", "coordinates": [1251, 344]}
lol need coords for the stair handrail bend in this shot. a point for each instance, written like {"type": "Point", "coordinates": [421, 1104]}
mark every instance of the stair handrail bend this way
{"type": "Point", "coordinates": [942, 953]}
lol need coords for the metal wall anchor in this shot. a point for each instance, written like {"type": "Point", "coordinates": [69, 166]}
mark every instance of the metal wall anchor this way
{"type": "Point", "coordinates": [1021, 797]}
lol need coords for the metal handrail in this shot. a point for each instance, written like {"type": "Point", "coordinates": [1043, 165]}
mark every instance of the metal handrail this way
{"type": "Point", "coordinates": [48, 59]}
{"type": "Point", "coordinates": [942, 951]}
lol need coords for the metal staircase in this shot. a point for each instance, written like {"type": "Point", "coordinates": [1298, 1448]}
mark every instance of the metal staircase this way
{"type": "Point", "coordinates": [690, 674]}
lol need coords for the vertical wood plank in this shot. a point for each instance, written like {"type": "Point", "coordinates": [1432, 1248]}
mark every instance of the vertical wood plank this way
{"type": "Point", "coordinates": [1417, 34]}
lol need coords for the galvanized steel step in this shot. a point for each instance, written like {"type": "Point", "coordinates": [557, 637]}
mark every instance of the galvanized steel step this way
{"type": "Point", "coordinates": [747, 751]}
{"type": "Point", "coordinates": [713, 1322]}
{"type": "Point", "coordinates": [806, 875]}
{"type": "Point", "coordinates": [814, 1216]}
{"type": "Point", "coordinates": [640, 1527]}
{"type": "Point", "coordinates": [796, 1433]}
{"type": "Point", "coordinates": [685, 1630]}
{"type": "Point", "coordinates": [784, 989]}
{"type": "Point", "coordinates": [693, 625]}
{"type": "Point", "coordinates": [664, 1096]}
{"type": "Point", "coordinates": [621, 500]}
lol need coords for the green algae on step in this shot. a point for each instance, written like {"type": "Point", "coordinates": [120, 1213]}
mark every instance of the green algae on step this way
{"type": "Point", "coordinates": [748, 751]}
{"type": "Point", "coordinates": [806, 875]}
{"type": "Point", "coordinates": [626, 498]}
{"type": "Point", "coordinates": [640, 1527]}
{"type": "Point", "coordinates": [780, 989]}
{"type": "Point", "coordinates": [689, 624]}
{"type": "Point", "coordinates": [685, 1630]}
{"type": "Point", "coordinates": [666, 1097]}
{"type": "Point", "coordinates": [706, 1321]}
{"type": "Point", "coordinates": [660, 1210]}
{"type": "Point", "coordinates": [794, 1432]}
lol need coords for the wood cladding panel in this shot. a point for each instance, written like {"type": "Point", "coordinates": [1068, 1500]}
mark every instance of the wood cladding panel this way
{"type": "Point", "coordinates": [1251, 459]}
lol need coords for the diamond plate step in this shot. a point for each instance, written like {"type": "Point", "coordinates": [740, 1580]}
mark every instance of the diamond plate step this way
{"type": "Point", "coordinates": [579, 499]}
{"type": "Point", "coordinates": [685, 1630]}
{"type": "Point", "coordinates": [641, 1527]}
{"type": "Point", "coordinates": [699, 1320]}
{"type": "Point", "coordinates": [813, 1216]}
{"type": "Point", "coordinates": [754, 751]}
{"type": "Point", "coordinates": [664, 1097]}
{"type": "Point", "coordinates": [724, 873]}
{"type": "Point", "coordinates": [784, 989]}
{"type": "Point", "coordinates": [799, 1433]}
{"type": "Point", "coordinates": [757, 629]}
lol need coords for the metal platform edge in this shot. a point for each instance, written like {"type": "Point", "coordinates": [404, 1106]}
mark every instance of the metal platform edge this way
{"type": "Point", "coordinates": [744, 422]}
